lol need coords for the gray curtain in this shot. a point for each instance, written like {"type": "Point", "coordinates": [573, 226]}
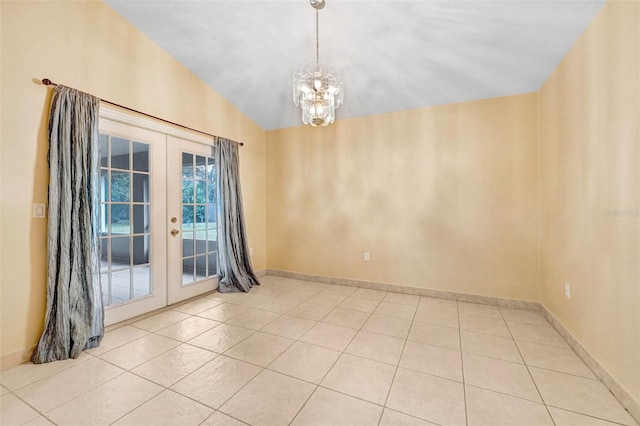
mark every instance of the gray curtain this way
{"type": "Point", "coordinates": [75, 316]}
{"type": "Point", "coordinates": [234, 265]}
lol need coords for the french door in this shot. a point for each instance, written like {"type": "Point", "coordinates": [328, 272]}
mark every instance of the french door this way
{"type": "Point", "coordinates": [193, 242]}
{"type": "Point", "coordinates": [157, 217]}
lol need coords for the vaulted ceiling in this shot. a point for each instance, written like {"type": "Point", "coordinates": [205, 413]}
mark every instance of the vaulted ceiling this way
{"type": "Point", "coordinates": [394, 55]}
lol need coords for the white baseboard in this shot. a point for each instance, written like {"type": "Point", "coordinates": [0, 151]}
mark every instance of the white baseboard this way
{"type": "Point", "coordinates": [441, 294]}
{"type": "Point", "coordinates": [625, 398]}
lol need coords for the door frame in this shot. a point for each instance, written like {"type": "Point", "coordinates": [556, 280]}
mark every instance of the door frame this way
{"type": "Point", "coordinates": [120, 116]}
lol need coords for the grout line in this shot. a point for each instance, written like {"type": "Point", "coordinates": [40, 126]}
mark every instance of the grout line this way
{"type": "Point", "coordinates": [404, 345]}
{"type": "Point", "coordinates": [529, 371]}
{"type": "Point", "coordinates": [464, 384]}
{"type": "Point", "coordinates": [335, 362]}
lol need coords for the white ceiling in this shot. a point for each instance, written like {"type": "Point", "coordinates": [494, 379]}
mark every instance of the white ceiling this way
{"type": "Point", "coordinates": [394, 55]}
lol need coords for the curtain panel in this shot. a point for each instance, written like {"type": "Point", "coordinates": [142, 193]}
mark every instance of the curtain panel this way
{"type": "Point", "coordinates": [74, 318]}
{"type": "Point", "coordinates": [234, 265]}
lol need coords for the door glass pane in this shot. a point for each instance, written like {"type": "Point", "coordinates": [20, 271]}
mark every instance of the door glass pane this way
{"type": "Point", "coordinates": [141, 247]}
{"type": "Point", "coordinates": [198, 217]}
{"type": "Point", "coordinates": [120, 219]}
{"type": "Point", "coordinates": [201, 242]}
{"type": "Point", "coordinates": [140, 157]}
{"type": "Point", "coordinates": [201, 267]}
{"type": "Point", "coordinates": [187, 270]}
{"type": "Point", "coordinates": [120, 252]}
{"type": "Point", "coordinates": [141, 218]}
{"type": "Point", "coordinates": [104, 254]}
{"type": "Point", "coordinates": [120, 153]}
{"type": "Point", "coordinates": [121, 286]}
{"type": "Point", "coordinates": [212, 264]}
{"type": "Point", "coordinates": [120, 190]}
{"type": "Point", "coordinates": [187, 191]}
{"type": "Point", "coordinates": [187, 244]}
{"type": "Point", "coordinates": [104, 151]}
{"type": "Point", "coordinates": [187, 165]}
{"type": "Point", "coordinates": [200, 191]}
{"type": "Point", "coordinates": [187, 217]}
{"type": "Point", "coordinates": [141, 281]}
{"type": "Point", "coordinates": [201, 167]}
{"type": "Point", "coordinates": [104, 283]}
{"type": "Point", "coordinates": [140, 188]}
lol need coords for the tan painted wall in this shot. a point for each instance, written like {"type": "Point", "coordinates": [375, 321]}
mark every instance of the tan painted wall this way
{"type": "Point", "coordinates": [442, 198]}
{"type": "Point", "coordinates": [88, 46]}
{"type": "Point", "coordinates": [589, 116]}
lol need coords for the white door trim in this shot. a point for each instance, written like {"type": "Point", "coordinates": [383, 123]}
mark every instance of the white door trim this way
{"type": "Point", "coordinates": [114, 114]}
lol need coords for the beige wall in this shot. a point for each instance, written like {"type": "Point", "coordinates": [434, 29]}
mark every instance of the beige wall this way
{"type": "Point", "coordinates": [88, 46]}
{"type": "Point", "coordinates": [442, 198]}
{"type": "Point", "coordinates": [589, 116]}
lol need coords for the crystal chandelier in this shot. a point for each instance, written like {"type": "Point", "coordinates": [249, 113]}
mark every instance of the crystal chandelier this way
{"type": "Point", "coordinates": [317, 91]}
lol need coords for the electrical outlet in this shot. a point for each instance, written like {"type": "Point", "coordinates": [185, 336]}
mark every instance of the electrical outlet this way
{"type": "Point", "coordinates": [367, 258]}
{"type": "Point", "coordinates": [567, 291]}
{"type": "Point", "coordinates": [250, 251]}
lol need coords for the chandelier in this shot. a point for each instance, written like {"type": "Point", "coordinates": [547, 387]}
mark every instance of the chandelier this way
{"type": "Point", "coordinates": [317, 90]}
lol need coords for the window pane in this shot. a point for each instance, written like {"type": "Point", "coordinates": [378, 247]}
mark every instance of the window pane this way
{"type": "Point", "coordinates": [141, 218]}
{"type": "Point", "coordinates": [104, 283]}
{"type": "Point", "coordinates": [201, 167]}
{"type": "Point", "coordinates": [104, 219]}
{"type": "Point", "coordinates": [211, 169]}
{"type": "Point", "coordinates": [141, 247]}
{"type": "Point", "coordinates": [187, 244]}
{"type": "Point", "coordinates": [211, 193]}
{"type": "Point", "coordinates": [104, 185]}
{"type": "Point", "coordinates": [211, 216]}
{"type": "Point", "coordinates": [187, 191]}
{"type": "Point", "coordinates": [141, 281]}
{"type": "Point", "coordinates": [201, 267]}
{"type": "Point", "coordinates": [140, 157]}
{"type": "Point", "coordinates": [140, 188]}
{"type": "Point", "coordinates": [187, 217]}
{"type": "Point", "coordinates": [200, 191]}
{"type": "Point", "coordinates": [120, 252]}
{"type": "Point", "coordinates": [120, 153]}
{"type": "Point", "coordinates": [187, 165]}
{"type": "Point", "coordinates": [120, 190]}
{"type": "Point", "coordinates": [201, 242]}
{"type": "Point", "coordinates": [187, 270]}
{"type": "Point", "coordinates": [104, 254]}
{"type": "Point", "coordinates": [104, 151]}
{"type": "Point", "coordinates": [120, 219]}
{"type": "Point", "coordinates": [201, 214]}
{"type": "Point", "coordinates": [121, 286]}
{"type": "Point", "coordinates": [213, 264]}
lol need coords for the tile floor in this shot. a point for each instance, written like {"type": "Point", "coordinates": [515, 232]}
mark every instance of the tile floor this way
{"type": "Point", "coordinates": [303, 353]}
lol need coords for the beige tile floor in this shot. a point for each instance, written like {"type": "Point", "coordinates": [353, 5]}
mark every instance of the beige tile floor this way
{"type": "Point", "coordinates": [303, 353]}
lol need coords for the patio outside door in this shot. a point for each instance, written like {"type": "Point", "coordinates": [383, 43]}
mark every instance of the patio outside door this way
{"type": "Point", "coordinates": [158, 238]}
{"type": "Point", "coordinates": [193, 242]}
{"type": "Point", "coordinates": [132, 214]}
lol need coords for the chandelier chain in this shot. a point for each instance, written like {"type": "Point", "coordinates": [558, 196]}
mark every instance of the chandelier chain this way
{"type": "Point", "coordinates": [317, 41]}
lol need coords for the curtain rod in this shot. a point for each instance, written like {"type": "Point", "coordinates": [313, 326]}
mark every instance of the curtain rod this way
{"type": "Point", "coordinates": [48, 82]}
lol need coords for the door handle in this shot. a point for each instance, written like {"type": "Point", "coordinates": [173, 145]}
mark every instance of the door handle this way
{"type": "Point", "coordinates": [174, 232]}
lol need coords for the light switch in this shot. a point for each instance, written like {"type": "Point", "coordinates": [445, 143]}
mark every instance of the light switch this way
{"type": "Point", "coordinates": [39, 210]}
